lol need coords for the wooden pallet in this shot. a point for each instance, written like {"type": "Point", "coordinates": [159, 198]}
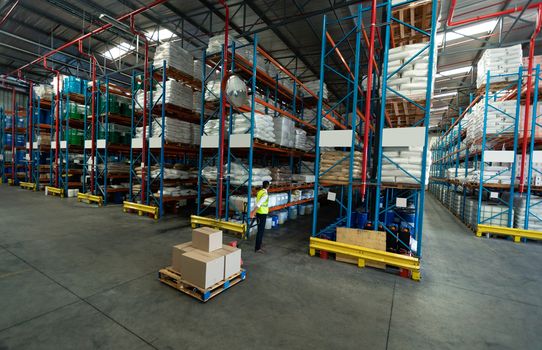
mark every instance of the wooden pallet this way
{"type": "Point", "coordinates": [174, 279]}
{"type": "Point", "coordinates": [417, 14]}
{"type": "Point", "coordinates": [403, 113]}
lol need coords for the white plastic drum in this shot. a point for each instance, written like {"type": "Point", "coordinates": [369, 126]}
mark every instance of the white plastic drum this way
{"type": "Point", "coordinates": [269, 223]}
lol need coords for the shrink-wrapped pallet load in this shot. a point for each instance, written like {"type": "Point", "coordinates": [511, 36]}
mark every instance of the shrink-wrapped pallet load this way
{"type": "Point", "coordinates": [499, 61]}
{"type": "Point", "coordinates": [175, 56]}
{"type": "Point", "coordinates": [177, 94]}
{"type": "Point", "coordinates": [314, 87]}
{"type": "Point", "coordinates": [284, 131]}
{"type": "Point", "coordinates": [404, 165]}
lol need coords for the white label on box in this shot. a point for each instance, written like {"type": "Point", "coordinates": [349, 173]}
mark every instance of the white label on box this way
{"type": "Point", "coordinates": [537, 156]}
{"type": "Point", "coordinates": [403, 137]}
{"type": "Point", "coordinates": [100, 143]}
{"type": "Point", "coordinates": [28, 145]}
{"type": "Point", "coordinates": [499, 156]}
{"type": "Point", "coordinates": [88, 144]}
{"type": "Point", "coordinates": [331, 196]}
{"type": "Point", "coordinates": [335, 138]}
{"type": "Point", "coordinates": [63, 144]}
{"type": "Point", "coordinates": [401, 202]}
{"type": "Point", "coordinates": [494, 195]}
{"type": "Point", "coordinates": [209, 141]}
{"type": "Point", "coordinates": [137, 143]}
{"type": "Point", "coordinates": [239, 141]}
{"type": "Point", "coordinates": [35, 144]}
{"type": "Point", "coordinates": [27, 156]}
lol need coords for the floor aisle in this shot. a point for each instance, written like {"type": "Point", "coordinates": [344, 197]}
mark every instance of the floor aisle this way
{"type": "Point", "coordinates": [78, 277]}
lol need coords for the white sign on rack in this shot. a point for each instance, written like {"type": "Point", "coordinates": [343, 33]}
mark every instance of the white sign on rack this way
{"type": "Point", "coordinates": [209, 141]}
{"type": "Point", "coordinates": [335, 138]}
{"type": "Point", "coordinates": [331, 196]}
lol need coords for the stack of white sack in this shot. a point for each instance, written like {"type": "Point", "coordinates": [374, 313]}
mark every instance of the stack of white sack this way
{"type": "Point", "coordinates": [177, 191]}
{"type": "Point", "coordinates": [175, 57]}
{"type": "Point", "coordinates": [300, 139]}
{"type": "Point", "coordinates": [405, 165]}
{"type": "Point", "coordinates": [209, 74]}
{"type": "Point", "coordinates": [337, 167]}
{"type": "Point", "coordinates": [264, 127]}
{"type": "Point", "coordinates": [499, 61]}
{"type": "Point", "coordinates": [493, 174]}
{"type": "Point", "coordinates": [177, 94]}
{"type": "Point", "coordinates": [309, 143]}
{"type": "Point", "coordinates": [535, 213]}
{"type": "Point", "coordinates": [310, 117]}
{"type": "Point", "coordinates": [239, 175]}
{"type": "Point", "coordinates": [314, 87]}
{"type": "Point", "coordinates": [43, 91]}
{"type": "Point", "coordinates": [411, 81]}
{"type": "Point", "coordinates": [500, 119]}
{"type": "Point", "coordinates": [242, 46]}
{"type": "Point", "coordinates": [176, 131]}
{"type": "Point", "coordinates": [284, 131]}
{"type": "Point", "coordinates": [212, 91]}
{"type": "Point", "coordinates": [536, 174]}
{"type": "Point", "coordinates": [198, 103]}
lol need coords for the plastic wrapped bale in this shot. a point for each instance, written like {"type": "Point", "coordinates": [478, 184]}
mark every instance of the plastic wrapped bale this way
{"type": "Point", "coordinates": [407, 158]}
{"type": "Point", "coordinates": [499, 61]}
{"type": "Point", "coordinates": [239, 174]}
{"type": "Point", "coordinates": [300, 139]}
{"type": "Point", "coordinates": [284, 131]}
{"type": "Point", "coordinates": [314, 87]}
{"type": "Point", "coordinates": [175, 57]}
{"type": "Point", "coordinates": [212, 91]}
{"type": "Point", "coordinates": [264, 127]}
{"type": "Point", "coordinates": [242, 46]}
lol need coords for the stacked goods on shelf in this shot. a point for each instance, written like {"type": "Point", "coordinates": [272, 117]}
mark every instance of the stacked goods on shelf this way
{"type": "Point", "coordinates": [117, 134]}
{"type": "Point", "coordinates": [506, 60]}
{"type": "Point", "coordinates": [536, 176]}
{"type": "Point", "coordinates": [310, 117]}
{"type": "Point", "coordinates": [306, 174]}
{"type": "Point", "coordinates": [177, 94]}
{"type": "Point", "coordinates": [284, 131]}
{"type": "Point", "coordinates": [239, 175]}
{"type": "Point", "coordinates": [264, 126]}
{"type": "Point", "coordinates": [300, 139]}
{"type": "Point", "coordinates": [535, 213]}
{"type": "Point", "coordinates": [43, 91]}
{"type": "Point", "coordinates": [176, 131]}
{"type": "Point", "coordinates": [216, 42]}
{"type": "Point", "coordinates": [412, 80]}
{"type": "Point", "coordinates": [500, 119]}
{"type": "Point", "coordinates": [73, 85]}
{"type": "Point", "coordinates": [281, 174]}
{"type": "Point", "coordinates": [314, 87]}
{"type": "Point", "coordinates": [212, 90]}
{"type": "Point", "coordinates": [205, 261]}
{"type": "Point", "coordinates": [493, 174]}
{"type": "Point", "coordinates": [407, 158]}
{"type": "Point", "coordinates": [537, 113]}
{"type": "Point", "coordinates": [175, 57]}
{"type": "Point", "coordinates": [113, 166]}
{"type": "Point", "coordinates": [341, 168]}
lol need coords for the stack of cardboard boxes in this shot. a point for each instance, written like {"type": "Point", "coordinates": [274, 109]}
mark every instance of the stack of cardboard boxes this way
{"type": "Point", "coordinates": [205, 261]}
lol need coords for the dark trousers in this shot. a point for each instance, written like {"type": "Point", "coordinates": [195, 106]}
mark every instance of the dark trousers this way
{"type": "Point", "coordinates": [261, 227]}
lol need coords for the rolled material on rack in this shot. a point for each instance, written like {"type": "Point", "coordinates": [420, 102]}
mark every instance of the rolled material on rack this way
{"type": "Point", "coordinates": [175, 56]}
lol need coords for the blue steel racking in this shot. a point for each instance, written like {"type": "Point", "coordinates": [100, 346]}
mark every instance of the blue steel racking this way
{"type": "Point", "coordinates": [277, 100]}
{"type": "Point", "coordinates": [381, 197]}
{"type": "Point", "coordinates": [449, 153]}
{"type": "Point", "coordinates": [2, 147]}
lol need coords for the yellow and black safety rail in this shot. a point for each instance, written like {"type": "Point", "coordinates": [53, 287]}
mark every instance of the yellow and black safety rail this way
{"type": "Point", "coordinates": [218, 224]}
{"type": "Point", "coordinates": [362, 254]}
{"type": "Point", "coordinates": [140, 209]}
{"type": "Point", "coordinates": [54, 191]}
{"type": "Point", "coordinates": [90, 198]}
{"type": "Point", "coordinates": [28, 186]}
{"type": "Point", "coordinates": [516, 233]}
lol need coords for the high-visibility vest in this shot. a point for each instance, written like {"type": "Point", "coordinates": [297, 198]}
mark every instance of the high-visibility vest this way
{"type": "Point", "coordinates": [263, 209]}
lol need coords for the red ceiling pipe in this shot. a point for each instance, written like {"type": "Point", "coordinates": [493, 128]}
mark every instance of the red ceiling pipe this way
{"type": "Point", "coordinates": [146, 84]}
{"type": "Point", "coordinates": [9, 13]}
{"type": "Point", "coordinates": [30, 126]}
{"type": "Point", "coordinates": [94, 32]}
{"type": "Point", "coordinates": [526, 122]}
{"type": "Point", "coordinates": [92, 113]}
{"type": "Point", "coordinates": [225, 68]}
{"type": "Point", "coordinates": [57, 117]}
{"type": "Point", "coordinates": [451, 23]}
{"type": "Point", "coordinates": [368, 101]}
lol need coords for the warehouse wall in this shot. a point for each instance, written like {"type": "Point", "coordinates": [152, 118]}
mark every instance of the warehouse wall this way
{"type": "Point", "coordinates": [6, 99]}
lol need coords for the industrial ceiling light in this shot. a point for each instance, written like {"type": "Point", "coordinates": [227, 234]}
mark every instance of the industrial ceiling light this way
{"type": "Point", "coordinates": [455, 71]}
{"type": "Point", "coordinates": [115, 23]}
{"type": "Point", "coordinates": [467, 32]}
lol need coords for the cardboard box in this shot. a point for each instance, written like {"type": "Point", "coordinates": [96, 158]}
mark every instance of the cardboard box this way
{"type": "Point", "coordinates": [202, 269]}
{"type": "Point", "coordinates": [365, 238]}
{"type": "Point", "coordinates": [206, 239]}
{"type": "Point", "coordinates": [232, 260]}
{"type": "Point", "coordinates": [177, 251]}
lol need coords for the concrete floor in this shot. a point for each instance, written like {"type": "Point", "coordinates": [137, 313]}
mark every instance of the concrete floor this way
{"type": "Point", "coordinates": [77, 277]}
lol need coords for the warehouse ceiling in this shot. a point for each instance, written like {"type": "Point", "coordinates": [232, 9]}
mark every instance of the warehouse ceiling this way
{"type": "Point", "coordinates": [288, 29]}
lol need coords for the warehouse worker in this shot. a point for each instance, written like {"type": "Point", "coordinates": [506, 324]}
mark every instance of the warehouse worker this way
{"type": "Point", "coordinates": [261, 210]}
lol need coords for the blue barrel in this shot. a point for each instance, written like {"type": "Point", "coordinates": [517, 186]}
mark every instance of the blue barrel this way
{"type": "Point", "coordinates": [409, 221]}
{"type": "Point", "coordinates": [275, 219]}
{"type": "Point", "coordinates": [362, 219]}
{"type": "Point", "coordinates": [354, 217]}
{"type": "Point", "coordinates": [389, 217]}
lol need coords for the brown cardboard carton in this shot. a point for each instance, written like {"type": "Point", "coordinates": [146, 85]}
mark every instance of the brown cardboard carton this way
{"type": "Point", "coordinates": [177, 251]}
{"type": "Point", "coordinates": [232, 260]}
{"type": "Point", "coordinates": [202, 269]}
{"type": "Point", "coordinates": [206, 239]}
